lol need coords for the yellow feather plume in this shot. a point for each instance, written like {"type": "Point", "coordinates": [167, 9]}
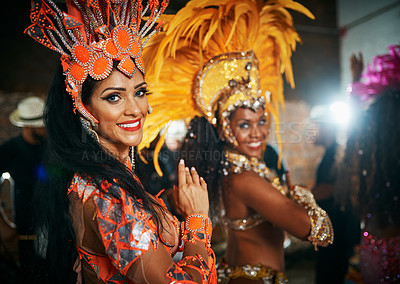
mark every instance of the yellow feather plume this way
{"type": "Point", "coordinates": [204, 29]}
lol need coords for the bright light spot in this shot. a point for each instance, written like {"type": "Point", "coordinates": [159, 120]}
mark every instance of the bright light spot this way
{"type": "Point", "coordinates": [6, 175]}
{"type": "Point", "coordinates": [340, 112]}
{"type": "Point", "coordinates": [175, 135]}
{"type": "Point", "coordinates": [176, 129]}
{"type": "Point", "coordinates": [287, 243]}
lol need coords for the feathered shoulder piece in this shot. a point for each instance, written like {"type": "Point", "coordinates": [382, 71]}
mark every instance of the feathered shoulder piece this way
{"type": "Point", "coordinates": [218, 55]}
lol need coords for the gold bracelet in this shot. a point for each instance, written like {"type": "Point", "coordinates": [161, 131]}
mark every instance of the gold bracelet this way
{"type": "Point", "coordinates": [321, 227]}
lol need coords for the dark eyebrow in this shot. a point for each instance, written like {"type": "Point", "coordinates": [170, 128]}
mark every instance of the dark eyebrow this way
{"type": "Point", "coordinates": [122, 89]}
{"type": "Point", "coordinates": [141, 84]}
{"type": "Point", "coordinates": [112, 88]}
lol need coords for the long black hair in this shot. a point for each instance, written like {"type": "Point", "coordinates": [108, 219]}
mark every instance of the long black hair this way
{"type": "Point", "coordinates": [202, 149]}
{"type": "Point", "coordinates": [369, 172]}
{"type": "Point", "coordinates": [71, 150]}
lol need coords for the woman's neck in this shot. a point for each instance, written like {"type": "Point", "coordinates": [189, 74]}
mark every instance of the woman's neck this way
{"type": "Point", "coordinates": [120, 152]}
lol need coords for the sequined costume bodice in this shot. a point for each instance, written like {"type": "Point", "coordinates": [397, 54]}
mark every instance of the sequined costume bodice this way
{"type": "Point", "coordinates": [245, 223]}
{"type": "Point", "coordinates": [112, 234]}
{"type": "Point", "coordinates": [236, 163]}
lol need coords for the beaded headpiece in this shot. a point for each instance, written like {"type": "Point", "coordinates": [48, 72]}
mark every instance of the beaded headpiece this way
{"type": "Point", "coordinates": [225, 83]}
{"type": "Point", "coordinates": [91, 35]}
{"type": "Point", "coordinates": [215, 56]}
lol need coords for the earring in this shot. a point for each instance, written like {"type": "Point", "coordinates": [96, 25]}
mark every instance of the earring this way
{"type": "Point", "coordinates": [132, 155]}
{"type": "Point", "coordinates": [229, 136]}
{"type": "Point", "coordinates": [232, 139]}
{"type": "Point", "coordinates": [149, 109]}
{"type": "Point", "coordinates": [88, 129]}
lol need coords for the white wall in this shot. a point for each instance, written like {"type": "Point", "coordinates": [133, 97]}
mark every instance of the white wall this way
{"type": "Point", "coordinates": [370, 26]}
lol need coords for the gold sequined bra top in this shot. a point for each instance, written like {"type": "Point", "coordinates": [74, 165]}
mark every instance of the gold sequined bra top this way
{"type": "Point", "coordinates": [235, 163]}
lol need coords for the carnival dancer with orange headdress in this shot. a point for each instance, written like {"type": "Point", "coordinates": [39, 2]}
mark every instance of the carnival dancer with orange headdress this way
{"type": "Point", "coordinates": [95, 216]}
{"type": "Point", "coordinates": [219, 64]}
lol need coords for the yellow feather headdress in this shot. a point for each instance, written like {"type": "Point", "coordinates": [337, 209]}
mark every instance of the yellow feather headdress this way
{"type": "Point", "coordinates": [206, 30]}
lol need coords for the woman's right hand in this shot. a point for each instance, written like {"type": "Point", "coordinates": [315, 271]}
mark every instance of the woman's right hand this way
{"type": "Point", "coordinates": [191, 196]}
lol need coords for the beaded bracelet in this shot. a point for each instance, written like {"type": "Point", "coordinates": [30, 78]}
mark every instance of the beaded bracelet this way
{"type": "Point", "coordinates": [197, 227]}
{"type": "Point", "coordinates": [321, 226]}
{"type": "Point", "coordinates": [196, 223]}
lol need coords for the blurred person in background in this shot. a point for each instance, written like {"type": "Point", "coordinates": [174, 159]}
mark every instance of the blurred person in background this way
{"type": "Point", "coordinates": [369, 171]}
{"type": "Point", "coordinates": [332, 260]}
{"type": "Point", "coordinates": [21, 157]}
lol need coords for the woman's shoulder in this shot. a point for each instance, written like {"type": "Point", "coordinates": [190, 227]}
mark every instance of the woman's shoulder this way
{"type": "Point", "coordinates": [246, 179]}
{"type": "Point", "coordinates": [83, 185]}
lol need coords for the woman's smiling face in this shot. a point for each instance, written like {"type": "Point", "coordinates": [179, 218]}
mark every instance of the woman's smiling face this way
{"type": "Point", "coordinates": [250, 129]}
{"type": "Point", "coordinates": [120, 104]}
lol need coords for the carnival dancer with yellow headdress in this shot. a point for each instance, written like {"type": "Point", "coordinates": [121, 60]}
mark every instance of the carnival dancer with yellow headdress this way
{"type": "Point", "coordinates": [220, 64]}
{"type": "Point", "coordinates": [96, 216]}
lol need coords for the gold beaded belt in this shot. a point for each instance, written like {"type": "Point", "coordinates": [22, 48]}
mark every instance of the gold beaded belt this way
{"type": "Point", "coordinates": [249, 271]}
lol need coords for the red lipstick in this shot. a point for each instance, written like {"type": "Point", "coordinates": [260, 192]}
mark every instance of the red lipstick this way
{"type": "Point", "coordinates": [130, 125]}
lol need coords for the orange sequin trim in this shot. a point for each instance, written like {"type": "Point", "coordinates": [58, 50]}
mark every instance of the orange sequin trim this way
{"type": "Point", "coordinates": [197, 227]}
{"type": "Point", "coordinates": [195, 223]}
{"type": "Point", "coordinates": [140, 64]}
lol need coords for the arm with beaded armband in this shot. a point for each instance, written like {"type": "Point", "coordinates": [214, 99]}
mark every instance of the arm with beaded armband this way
{"type": "Point", "coordinates": [321, 226]}
{"type": "Point", "coordinates": [196, 230]}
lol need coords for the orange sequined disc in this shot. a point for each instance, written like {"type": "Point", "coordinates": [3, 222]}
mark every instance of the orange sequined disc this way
{"type": "Point", "coordinates": [136, 49]}
{"type": "Point", "coordinates": [110, 49]}
{"type": "Point", "coordinates": [81, 54]}
{"type": "Point", "coordinates": [122, 38]}
{"type": "Point", "coordinates": [78, 73]}
{"type": "Point", "coordinates": [100, 68]}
